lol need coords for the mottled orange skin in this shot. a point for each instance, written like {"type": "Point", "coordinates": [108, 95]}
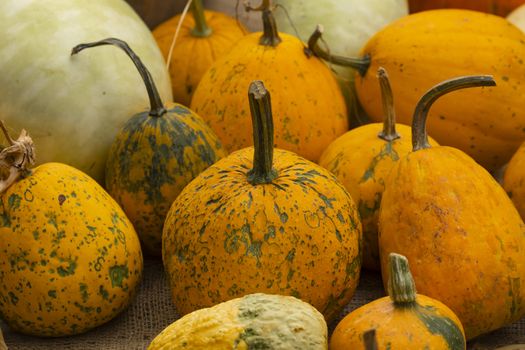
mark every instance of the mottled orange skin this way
{"type": "Point", "coordinates": [70, 260]}
{"type": "Point", "coordinates": [463, 237]}
{"type": "Point", "coordinates": [193, 55]}
{"type": "Point", "coordinates": [514, 178]}
{"type": "Point", "coordinates": [299, 235]}
{"type": "Point", "coordinates": [308, 106]}
{"type": "Point", "coordinates": [498, 7]}
{"type": "Point", "coordinates": [361, 161]}
{"type": "Point", "coordinates": [426, 48]}
{"type": "Point", "coordinates": [396, 327]}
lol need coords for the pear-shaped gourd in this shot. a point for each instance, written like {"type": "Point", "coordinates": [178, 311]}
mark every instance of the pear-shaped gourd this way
{"type": "Point", "coordinates": [70, 259]}
{"type": "Point", "coordinates": [361, 160]}
{"type": "Point", "coordinates": [308, 104]}
{"type": "Point", "coordinates": [154, 156]}
{"type": "Point", "coordinates": [202, 39]}
{"type": "Point", "coordinates": [402, 320]}
{"type": "Point", "coordinates": [263, 220]}
{"type": "Point", "coordinates": [457, 227]}
{"type": "Point", "coordinates": [255, 321]}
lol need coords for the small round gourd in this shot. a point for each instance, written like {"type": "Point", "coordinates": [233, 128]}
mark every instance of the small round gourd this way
{"type": "Point", "coordinates": [263, 220]}
{"type": "Point", "coordinates": [255, 321]}
{"type": "Point", "coordinates": [70, 259]}
{"type": "Point", "coordinates": [203, 38]}
{"type": "Point", "coordinates": [402, 320]}
{"type": "Point", "coordinates": [154, 156]}
{"type": "Point", "coordinates": [361, 160]}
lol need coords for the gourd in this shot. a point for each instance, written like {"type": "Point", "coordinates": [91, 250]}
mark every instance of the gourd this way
{"type": "Point", "coordinates": [309, 107]}
{"type": "Point", "coordinates": [456, 226]}
{"type": "Point", "coordinates": [154, 156]}
{"type": "Point", "coordinates": [497, 7]}
{"type": "Point", "coordinates": [513, 180]}
{"type": "Point", "coordinates": [423, 49]}
{"type": "Point", "coordinates": [278, 224]}
{"type": "Point", "coordinates": [202, 39]}
{"type": "Point", "coordinates": [517, 17]}
{"type": "Point", "coordinates": [44, 90]}
{"type": "Point", "coordinates": [70, 259]}
{"type": "Point", "coordinates": [403, 319]}
{"type": "Point", "coordinates": [255, 321]}
{"type": "Point", "coordinates": [361, 160]}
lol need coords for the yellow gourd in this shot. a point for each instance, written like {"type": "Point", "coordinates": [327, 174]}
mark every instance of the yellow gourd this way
{"type": "Point", "coordinates": [513, 180]}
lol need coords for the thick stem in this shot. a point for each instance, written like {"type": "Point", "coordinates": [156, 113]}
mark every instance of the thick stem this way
{"type": "Point", "coordinates": [389, 124]}
{"type": "Point", "coordinates": [401, 286]}
{"type": "Point", "coordinates": [359, 64]}
{"type": "Point", "coordinates": [370, 340]}
{"type": "Point", "coordinates": [270, 35]}
{"type": "Point", "coordinates": [201, 28]}
{"type": "Point", "coordinates": [419, 120]}
{"type": "Point", "coordinates": [157, 108]}
{"type": "Point", "coordinates": [262, 120]}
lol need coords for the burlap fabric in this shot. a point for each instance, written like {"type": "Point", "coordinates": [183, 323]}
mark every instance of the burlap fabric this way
{"type": "Point", "coordinates": [153, 310]}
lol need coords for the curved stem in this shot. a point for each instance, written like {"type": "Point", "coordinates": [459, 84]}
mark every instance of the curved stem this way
{"type": "Point", "coordinates": [201, 28]}
{"type": "Point", "coordinates": [419, 120]}
{"type": "Point", "coordinates": [401, 286]}
{"type": "Point", "coordinates": [370, 340]}
{"type": "Point", "coordinates": [359, 64]}
{"type": "Point", "coordinates": [16, 158]}
{"type": "Point", "coordinates": [270, 35]}
{"type": "Point", "coordinates": [157, 108]}
{"type": "Point", "coordinates": [389, 124]}
{"type": "Point", "coordinates": [262, 120]}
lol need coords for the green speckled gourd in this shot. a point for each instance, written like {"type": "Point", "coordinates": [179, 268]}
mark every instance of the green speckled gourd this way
{"type": "Point", "coordinates": [154, 156]}
{"type": "Point", "coordinates": [70, 259]}
{"type": "Point", "coordinates": [263, 220]}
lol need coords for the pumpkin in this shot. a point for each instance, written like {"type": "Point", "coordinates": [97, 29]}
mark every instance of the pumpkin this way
{"type": "Point", "coordinates": [349, 24]}
{"type": "Point", "coordinates": [517, 17]}
{"type": "Point", "coordinates": [513, 180]}
{"type": "Point", "coordinates": [154, 12]}
{"type": "Point", "coordinates": [361, 160]}
{"type": "Point", "coordinates": [456, 225]}
{"type": "Point", "coordinates": [278, 224]}
{"type": "Point", "coordinates": [498, 7]}
{"type": "Point", "coordinates": [309, 107]}
{"type": "Point", "coordinates": [202, 39]}
{"type": "Point", "coordinates": [423, 49]}
{"type": "Point", "coordinates": [154, 156]}
{"type": "Point", "coordinates": [70, 258]}
{"type": "Point", "coordinates": [88, 97]}
{"type": "Point", "coordinates": [403, 319]}
{"type": "Point", "coordinates": [255, 321]}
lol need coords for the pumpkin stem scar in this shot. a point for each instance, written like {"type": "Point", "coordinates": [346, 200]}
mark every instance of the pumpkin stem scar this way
{"type": "Point", "coordinates": [389, 124]}
{"type": "Point", "coordinates": [401, 285]}
{"type": "Point", "coordinates": [370, 340]}
{"type": "Point", "coordinates": [15, 158]}
{"type": "Point", "coordinates": [262, 120]}
{"type": "Point", "coordinates": [157, 107]}
{"type": "Point", "coordinates": [201, 28]}
{"type": "Point", "coordinates": [359, 64]}
{"type": "Point", "coordinates": [270, 35]}
{"type": "Point", "coordinates": [419, 119]}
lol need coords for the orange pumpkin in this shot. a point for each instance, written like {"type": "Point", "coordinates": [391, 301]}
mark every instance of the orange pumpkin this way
{"type": "Point", "coordinates": [497, 7]}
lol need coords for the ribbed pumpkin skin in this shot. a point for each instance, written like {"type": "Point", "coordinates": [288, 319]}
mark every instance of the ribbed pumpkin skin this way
{"type": "Point", "coordinates": [300, 235]}
{"type": "Point", "coordinates": [70, 259]}
{"type": "Point", "coordinates": [309, 109]}
{"type": "Point", "coordinates": [513, 180]}
{"type": "Point", "coordinates": [426, 48]}
{"type": "Point", "coordinates": [192, 55]}
{"type": "Point", "coordinates": [152, 160]}
{"type": "Point", "coordinates": [256, 321]}
{"type": "Point", "coordinates": [361, 161]}
{"type": "Point", "coordinates": [461, 233]}
{"type": "Point", "coordinates": [427, 325]}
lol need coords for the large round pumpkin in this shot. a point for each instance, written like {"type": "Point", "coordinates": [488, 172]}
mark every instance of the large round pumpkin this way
{"type": "Point", "coordinates": [74, 106]}
{"type": "Point", "coordinates": [497, 7]}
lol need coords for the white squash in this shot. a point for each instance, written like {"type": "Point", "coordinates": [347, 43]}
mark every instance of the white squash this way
{"type": "Point", "coordinates": [517, 17]}
{"type": "Point", "coordinates": [73, 106]}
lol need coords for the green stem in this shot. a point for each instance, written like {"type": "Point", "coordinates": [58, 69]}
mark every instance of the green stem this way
{"type": "Point", "coordinates": [201, 28]}
{"type": "Point", "coordinates": [270, 35]}
{"type": "Point", "coordinates": [419, 120]}
{"type": "Point", "coordinates": [389, 124]}
{"type": "Point", "coordinates": [262, 120]}
{"type": "Point", "coordinates": [370, 340]}
{"type": "Point", "coordinates": [157, 107]}
{"type": "Point", "coordinates": [359, 64]}
{"type": "Point", "coordinates": [401, 286]}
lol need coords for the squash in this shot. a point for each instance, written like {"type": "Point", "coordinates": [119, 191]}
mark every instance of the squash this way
{"type": "Point", "coordinates": [402, 320]}
{"type": "Point", "coordinates": [361, 160]}
{"type": "Point", "coordinates": [255, 321]}
{"type": "Point", "coordinates": [202, 39]}
{"type": "Point", "coordinates": [278, 224]}
{"type": "Point", "coordinates": [497, 7]}
{"type": "Point", "coordinates": [423, 49]}
{"type": "Point", "coordinates": [70, 259]}
{"type": "Point", "coordinates": [309, 107]}
{"type": "Point", "coordinates": [44, 90]}
{"type": "Point", "coordinates": [154, 156]}
{"type": "Point", "coordinates": [457, 227]}
{"type": "Point", "coordinates": [513, 180]}
{"type": "Point", "coordinates": [517, 17]}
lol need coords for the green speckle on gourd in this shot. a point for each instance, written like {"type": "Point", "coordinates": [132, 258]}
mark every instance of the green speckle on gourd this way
{"type": "Point", "coordinates": [442, 326]}
{"type": "Point", "coordinates": [117, 274]}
